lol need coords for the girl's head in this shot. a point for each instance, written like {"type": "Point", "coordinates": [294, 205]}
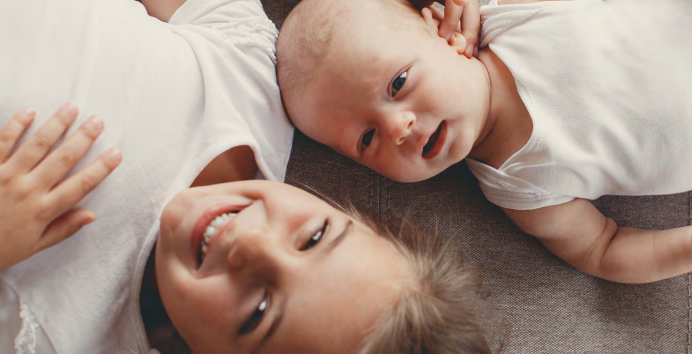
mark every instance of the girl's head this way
{"type": "Point", "coordinates": [372, 80]}
{"type": "Point", "coordinates": [284, 272]}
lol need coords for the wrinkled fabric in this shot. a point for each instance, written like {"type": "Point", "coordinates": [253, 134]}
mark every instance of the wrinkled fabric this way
{"type": "Point", "coordinates": [609, 118]}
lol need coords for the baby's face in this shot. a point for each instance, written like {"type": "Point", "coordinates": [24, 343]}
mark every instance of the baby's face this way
{"type": "Point", "coordinates": [283, 272]}
{"type": "Point", "coordinates": [401, 101]}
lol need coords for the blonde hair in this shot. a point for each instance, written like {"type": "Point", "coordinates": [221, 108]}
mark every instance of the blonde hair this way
{"type": "Point", "coordinates": [437, 314]}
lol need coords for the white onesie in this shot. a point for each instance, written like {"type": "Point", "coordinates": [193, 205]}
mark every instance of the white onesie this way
{"type": "Point", "coordinates": [173, 97]}
{"type": "Point", "coordinates": [608, 85]}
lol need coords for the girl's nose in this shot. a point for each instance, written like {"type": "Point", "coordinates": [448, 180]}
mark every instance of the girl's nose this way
{"type": "Point", "coordinates": [400, 126]}
{"type": "Point", "coordinates": [252, 247]}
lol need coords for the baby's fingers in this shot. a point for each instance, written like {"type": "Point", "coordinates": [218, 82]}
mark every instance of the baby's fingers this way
{"type": "Point", "coordinates": [68, 193]}
{"type": "Point", "coordinates": [61, 160]}
{"type": "Point", "coordinates": [13, 129]}
{"type": "Point", "coordinates": [470, 26]}
{"type": "Point", "coordinates": [63, 227]}
{"type": "Point", "coordinates": [452, 16]}
{"type": "Point", "coordinates": [33, 150]}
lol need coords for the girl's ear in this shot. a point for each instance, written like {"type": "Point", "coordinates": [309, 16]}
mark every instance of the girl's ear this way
{"type": "Point", "coordinates": [432, 24]}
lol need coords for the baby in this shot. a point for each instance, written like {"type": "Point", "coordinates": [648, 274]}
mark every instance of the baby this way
{"type": "Point", "coordinates": [566, 102]}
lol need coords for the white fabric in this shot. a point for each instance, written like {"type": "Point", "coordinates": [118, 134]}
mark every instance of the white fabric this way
{"type": "Point", "coordinates": [173, 97]}
{"type": "Point", "coordinates": [608, 85]}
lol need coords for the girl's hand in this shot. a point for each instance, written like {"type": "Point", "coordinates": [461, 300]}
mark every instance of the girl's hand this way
{"type": "Point", "coordinates": [35, 210]}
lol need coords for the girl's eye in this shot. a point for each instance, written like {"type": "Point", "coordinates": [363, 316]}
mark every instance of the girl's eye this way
{"type": "Point", "coordinates": [398, 83]}
{"type": "Point", "coordinates": [367, 138]}
{"type": "Point", "coordinates": [256, 317]}
{"type": "Point", "coordinates": [316, 237]}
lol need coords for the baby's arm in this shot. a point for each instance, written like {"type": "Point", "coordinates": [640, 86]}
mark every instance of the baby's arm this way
{"type": "Point", "coordinates": [579, 234]}
{"type": "Point", "coordinates": [36, 210]}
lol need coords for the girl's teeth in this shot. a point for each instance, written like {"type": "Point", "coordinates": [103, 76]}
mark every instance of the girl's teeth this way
{"type": "Point", "coordinates": [217, 222]}
{"type": "Point", "coordinates": [211, 230]}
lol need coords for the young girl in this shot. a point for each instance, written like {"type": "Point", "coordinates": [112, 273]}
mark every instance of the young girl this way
{"type": "Point", "coordinates": [568, 101]}
{"type": "Point", "coordinates": [239, 268]}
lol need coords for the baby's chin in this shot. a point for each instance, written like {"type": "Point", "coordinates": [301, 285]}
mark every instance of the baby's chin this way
{"type": "Point", "coordinates": [415, 173]}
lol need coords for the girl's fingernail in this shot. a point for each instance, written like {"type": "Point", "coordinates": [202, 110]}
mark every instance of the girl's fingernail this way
{"type": "Point", "coordinates": [469, 50]}
{"type": "Point", "coordinates": [448, 36]}
{"type": "Point", "coordinates": [97, 122]}
{"type": "Point", "coordinates": [30, 112]}
{"type": "Point", "coordinates": [116, 155]}
{"type": "Point", "coordinates": [70, 109]}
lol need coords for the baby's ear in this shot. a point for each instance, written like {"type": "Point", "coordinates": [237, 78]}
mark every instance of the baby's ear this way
{"type": "Point", "coordinates": [457, 41]}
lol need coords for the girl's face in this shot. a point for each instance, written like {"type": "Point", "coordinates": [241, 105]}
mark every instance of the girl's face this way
{"type": "Point", "coordinates": [281, 272]}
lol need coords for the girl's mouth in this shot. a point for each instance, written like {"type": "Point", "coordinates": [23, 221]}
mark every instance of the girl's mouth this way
{"type": "Point", "coordinates": [209, 226]}
{"type": "Point", "coordinates": [436, 141]}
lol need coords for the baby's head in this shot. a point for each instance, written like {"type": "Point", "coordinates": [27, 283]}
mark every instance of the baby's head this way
{"type": "Point", "coordinates": [372, 80]}
{"type": "Point", "coordinates": [276, 278]}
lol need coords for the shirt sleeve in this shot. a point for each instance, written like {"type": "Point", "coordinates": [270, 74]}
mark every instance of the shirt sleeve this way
{"type": "Point", "coordinates": [243, 23]}
{"type": "Point", "coordinates": [510, 192]}
{"type": "Point", "coordinates": [234, 44]}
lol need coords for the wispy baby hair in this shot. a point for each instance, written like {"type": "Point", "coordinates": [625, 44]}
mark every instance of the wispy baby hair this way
{"type": "Point", "coordinates": [307, 37]}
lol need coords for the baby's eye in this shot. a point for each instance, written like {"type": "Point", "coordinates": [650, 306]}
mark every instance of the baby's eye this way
{"type": "Point", "coordinates": [317, 237]}
{"type": "Point", "coordinates": [256, 317]}
{"type": "Point", "coordinates": [367, 138]}
{"type": "Point", "coordinates": [398, 83]}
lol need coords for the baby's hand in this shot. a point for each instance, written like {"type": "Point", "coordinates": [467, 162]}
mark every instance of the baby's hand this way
{"type": "Point", "coordinates": [35, 212]}
{"type": "Point", "coordinates": [460, 16]}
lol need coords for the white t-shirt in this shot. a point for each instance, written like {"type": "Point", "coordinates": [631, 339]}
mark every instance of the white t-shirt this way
{"type": "Point", "coordinates": [173, 97]}
{"type": "Point", "coordinates": [608, 85]}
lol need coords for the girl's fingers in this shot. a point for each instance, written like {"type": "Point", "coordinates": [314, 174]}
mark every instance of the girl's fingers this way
{"type": "Point", "coordinates": [68, 193]}
{"type": "Point", "coordinates": [470, 25]}
{"type": "Point", "coordinates": [62, 159]}
{"type": "Point", "coordinates": [63, 227]}
{"type": "Point", "coordinates": [13, 129]}
{"type": "Point", "coordinates": [35, 148]}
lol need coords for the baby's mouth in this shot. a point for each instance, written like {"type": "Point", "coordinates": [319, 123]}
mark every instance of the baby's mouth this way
{"type": "Point", "coordinates": [430, 145]}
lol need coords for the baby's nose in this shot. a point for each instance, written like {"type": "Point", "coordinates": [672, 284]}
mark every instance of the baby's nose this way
{"type": "Point", "coordinates": [401, 127]}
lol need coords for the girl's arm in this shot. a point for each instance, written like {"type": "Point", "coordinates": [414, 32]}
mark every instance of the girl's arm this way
{"type": "Point", "coordinates": [37, 207]}
{"type": "Point", "coordinates": [579, 234]}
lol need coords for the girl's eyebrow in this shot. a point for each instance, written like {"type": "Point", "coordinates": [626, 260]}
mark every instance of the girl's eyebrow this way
{"type": "Point", "coordinates": [272, 328]}
{"type": "Point", "coordinates": [340, 238]}
{"type": "Point", "coordinates": [280, 313]}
